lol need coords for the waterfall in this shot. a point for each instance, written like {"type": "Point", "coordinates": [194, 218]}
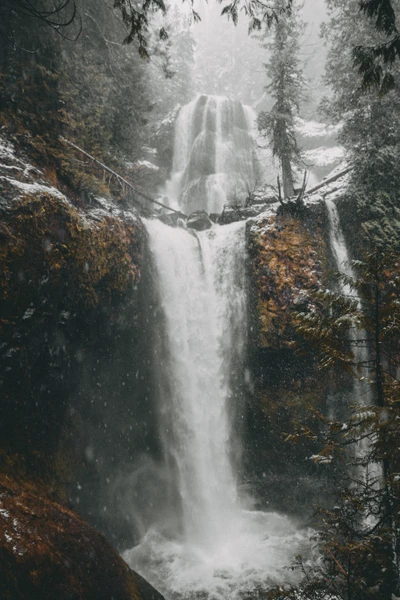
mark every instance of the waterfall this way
{"type": "Point", "coordinates": [215, 161]}
{"type": "Point", "coordinates": [361, 389]}
{"type": "Point", "coordinates": [212, 544]}
{"type": "Point", "coordinates": [202, 289]}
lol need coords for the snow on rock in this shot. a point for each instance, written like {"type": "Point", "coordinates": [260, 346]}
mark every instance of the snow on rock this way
{"type": "Point", "coordinates": [324, 157]}
{"type": "Point", "coordinates": [32, 188]}
{"type": "Point", "coordinates": [19, 179]}
{"type": "Point", "coordinates": [147, 164]}
{"type": "Point", "coordinates": [315, 129]}
{"type": "Point", "coordinates": [6, 149]}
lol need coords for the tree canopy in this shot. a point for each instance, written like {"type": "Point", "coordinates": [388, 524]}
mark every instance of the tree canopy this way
{"type": "Point", "coordinates": [374, 60]}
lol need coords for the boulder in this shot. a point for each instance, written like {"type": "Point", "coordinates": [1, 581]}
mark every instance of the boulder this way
{"type": "Point", "coordinates": [199, 220]}
{"type": "Point", "coordinates": [47, 551]}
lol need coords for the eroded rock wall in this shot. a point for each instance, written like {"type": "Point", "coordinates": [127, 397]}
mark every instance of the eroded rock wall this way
{"type": "Point", "coordinates": [289, 258]}
{"type": "Point", "coordinates": [75, 411]}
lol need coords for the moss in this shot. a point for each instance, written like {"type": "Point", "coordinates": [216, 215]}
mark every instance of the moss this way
{"type": "Point", "coordinates": [288, 259]}
{"type": "Point", "coordinates": [47, 240]}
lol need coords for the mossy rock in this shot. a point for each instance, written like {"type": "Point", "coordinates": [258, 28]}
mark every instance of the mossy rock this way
{"type": "Point", "coordinates": [288, 259]}
{"type": "Point", "coordinates": [47, 552]}
{"type": "Point", "coordinates": [66, 278]}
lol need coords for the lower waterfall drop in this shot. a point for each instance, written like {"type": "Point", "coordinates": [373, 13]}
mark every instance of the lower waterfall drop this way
{"type": "Point", "coordinates": [214, 547]}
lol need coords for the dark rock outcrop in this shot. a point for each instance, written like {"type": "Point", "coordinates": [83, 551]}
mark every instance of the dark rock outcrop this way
{"type": "Point", "coordinates": [47, 551]}
{"type": "Point", "coordinates": [199, 220]}
{"type": "Point", "coordinates": [63, 273]}
{"type": "Point", "coordinates": [289, 257]}
{"type": "Point", "coordinates": [72, 407]}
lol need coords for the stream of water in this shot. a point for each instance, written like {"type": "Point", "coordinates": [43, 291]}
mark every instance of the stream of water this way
{"type": "Point", "coordinates": [362, 389]}
{"type": "Point", "coordinates": [215, 546]}
{"type": "Point", "coordinates": [215, 159]}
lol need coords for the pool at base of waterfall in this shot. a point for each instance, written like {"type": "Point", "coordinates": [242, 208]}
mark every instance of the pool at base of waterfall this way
{"type": "Point", "coordinates": [253, 555]}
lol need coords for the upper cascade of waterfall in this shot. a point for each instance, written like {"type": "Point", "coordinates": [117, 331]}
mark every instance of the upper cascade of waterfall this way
{"type": "Point", "coordinates": [215, 159]}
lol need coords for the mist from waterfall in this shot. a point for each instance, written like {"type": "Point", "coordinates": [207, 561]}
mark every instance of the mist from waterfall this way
{"type": "Point", "coordinates": [210, 542]}
{"type": "Point", "coordinates": [205, 538]}
{"type": "Point", "coordinates": [215, 159]}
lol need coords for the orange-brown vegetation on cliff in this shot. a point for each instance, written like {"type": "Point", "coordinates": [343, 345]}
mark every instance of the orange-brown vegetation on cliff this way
{"type": "Point", "coordinates": [47, 552]}
{"type": "Point", "coordinates": [65, 277]}
{"type": "Point", "coordinates": [288, 259]}
{"type": "Point", "coordinates": [46, 241]}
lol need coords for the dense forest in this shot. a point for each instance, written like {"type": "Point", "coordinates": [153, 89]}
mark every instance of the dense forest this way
{"type": "Point", "coordinates": [200, 300]}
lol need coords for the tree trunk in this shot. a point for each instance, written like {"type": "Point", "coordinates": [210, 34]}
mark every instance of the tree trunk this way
{"type": "Point", "coordinates": [287, 177]}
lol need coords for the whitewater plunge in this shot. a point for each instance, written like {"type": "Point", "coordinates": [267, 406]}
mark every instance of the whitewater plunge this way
{"type": "Point", "coordinates": [211, 544]}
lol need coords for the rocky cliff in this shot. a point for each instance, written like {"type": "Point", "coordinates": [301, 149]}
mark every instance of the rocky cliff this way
{"type": "Point", "coordinates": [69, 293]}
{"type": "Point", "coordinates": [289, 258]}
{"type": "Point", "coordinates": [47, 551]}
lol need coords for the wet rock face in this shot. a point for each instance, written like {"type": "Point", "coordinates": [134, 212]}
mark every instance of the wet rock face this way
{"type": "Point", "coordinates": [288, 257]}
{"type": "Point", "coordinates": [63, 273]}
{"type": "Point", "coordinates": [199, 220]}
{"type": "Point", "coordinates": [72, 365]}
{"type": "Point", "coordinates": [48, 552]}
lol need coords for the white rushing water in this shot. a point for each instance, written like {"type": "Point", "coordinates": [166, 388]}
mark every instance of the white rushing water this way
{"type": "Point", "coordinates": [214, 545]}
{"type": "Point", "coordinates": [215, 159]}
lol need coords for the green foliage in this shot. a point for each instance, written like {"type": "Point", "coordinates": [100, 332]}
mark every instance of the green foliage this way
{"type": "Point", "coordinates": [137, 19]}
{"type": "Point", "coordinates": [93, 91]}
{"type": "Point", "coordinates": [383, 13]}
{"type": "Point", "coordinates": [370, 123]}
{"type": "Point", "coordinates": [58, 15]}
{"type": "Point", "coordinates": [374, 60]}
{"type": "Point", "coordinates": [258, 12]}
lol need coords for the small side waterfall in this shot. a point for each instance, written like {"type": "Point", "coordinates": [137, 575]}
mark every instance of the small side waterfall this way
{"type": "Point", "coordinates": [343, 264]}
{"type": "Point", "coordinates": [362, 389]}
{"type": "Point", "coordinates": [215, 160]}
{"type": "Point", "coordinates": [212, 544]}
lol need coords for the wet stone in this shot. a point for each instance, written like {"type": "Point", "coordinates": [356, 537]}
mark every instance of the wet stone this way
{"type": "Point", "coordinates": [199, 220]}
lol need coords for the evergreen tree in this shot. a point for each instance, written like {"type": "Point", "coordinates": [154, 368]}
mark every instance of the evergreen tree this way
{"type": "Point", "coordinates": [286, 87]}
{"type": "Point", "coordinates": [371, 123]}
{"type": "Point", "coordinates": [374, 61]}
{"type": "Point", "coordinates": [171, 65]}
{"type": "Point", "coordinates": [17, 14]}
